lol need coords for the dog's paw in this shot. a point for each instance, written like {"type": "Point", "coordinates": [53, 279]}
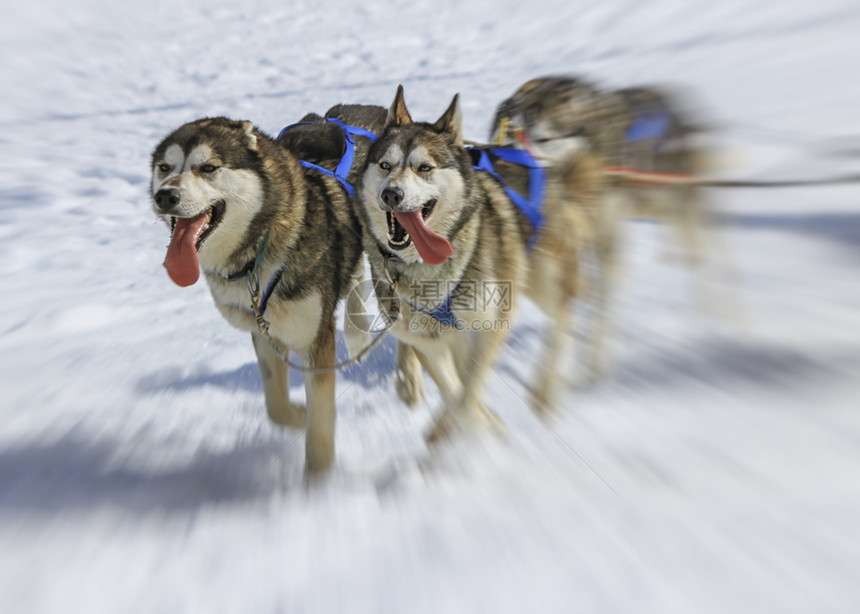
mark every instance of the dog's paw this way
{"type": "Point", "coordinates": [409, 386]}
{"type": "Point", "coordinates": [319, 457]}
{"type": "Point", "coordinates": [475, 420]}
{"type": "Point", "coordinates": [289, 414]}
{"type": "Point", "coordinates": [441, 428]}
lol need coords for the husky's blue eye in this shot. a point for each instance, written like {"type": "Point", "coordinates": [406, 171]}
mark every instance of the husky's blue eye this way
{"type": "Point", "coordinates": [425, 168]}
{"type": "Point", "coordinates": [163, 167]}
{"type": "Point", "coordinates": [385, 166]}
{"type": "Point", "coordinates": [208, 168]}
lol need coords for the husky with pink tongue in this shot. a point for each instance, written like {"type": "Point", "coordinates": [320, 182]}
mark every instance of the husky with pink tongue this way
{"type": "Point", "coordinates": [454, 247]}
{"type": "Point", "coordinates": [240, 206]}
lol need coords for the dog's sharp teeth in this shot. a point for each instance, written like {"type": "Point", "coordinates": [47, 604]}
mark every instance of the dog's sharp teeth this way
{"type": "Point", "coordinates": [397, 235]}
{"type": "Point", "coordinates": [427, 209]}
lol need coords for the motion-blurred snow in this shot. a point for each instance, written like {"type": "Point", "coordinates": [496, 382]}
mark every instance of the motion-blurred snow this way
{"type": "Point", "coordinates": [714, 471]}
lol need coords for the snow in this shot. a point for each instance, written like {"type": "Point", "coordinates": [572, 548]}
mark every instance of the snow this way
{"type": "Point", "coordinates": [716, 470]}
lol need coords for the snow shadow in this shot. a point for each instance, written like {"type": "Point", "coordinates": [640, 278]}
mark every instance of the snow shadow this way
{"type": "Point", "coordinates": [716, 361]}
{"type": "Point", "coordinates": [727, 364]}
{"type": "Point", "coordinates": [246, 377]}
{"type": "Point", "coordinates": [841, 228]}
{"type": "Point", "coordinates": [369, 373]}
{"type": "Point", "coordinates": [72, 475]}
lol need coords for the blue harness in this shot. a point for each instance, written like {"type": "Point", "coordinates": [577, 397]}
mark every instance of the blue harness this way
{"type": "Point", "coordinates": [649, 125]}
{"type": "Point", "coordinates": [343, 167]}
{"type": "Point", "coordinates": [340, 173]}
{"type": "Point", "coordinates": [532, 207]}
{"type": "Point", "coordinates": [443, 313]}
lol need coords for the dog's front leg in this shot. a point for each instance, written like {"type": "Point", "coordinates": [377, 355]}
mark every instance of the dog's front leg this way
{"type": "Point", "coordinates": [558, 337]}
{"type": "Point", "coordinates": [440, 364]}
{"type": "Point", "coordinates": [466, 411]}
{"type": "Point", "coordinates": [319, 440]}
{"type": "Point", "coordinates": [274, 373]}
{"type": "Point", "coordinates": [439, 361]}
{"type": "Point", "coordinates": [356, 321]}
{"type": "Point", "coordinates": [488, 344]}
{"type": "Point", "coordinates": [409, 377]}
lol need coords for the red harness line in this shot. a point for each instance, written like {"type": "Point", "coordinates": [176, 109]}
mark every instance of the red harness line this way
{"type": "Point", "coordinates": [634, 175]}
{"type": "Point", "coordinates": [639, 176]}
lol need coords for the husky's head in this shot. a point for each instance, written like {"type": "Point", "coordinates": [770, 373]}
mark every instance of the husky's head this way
{"type": "Point", "coordinates": [557, 119]}
{"type": "Point", "coordinates": [414, 188]}
{"type": "Point", "coordinates": [207, 186]}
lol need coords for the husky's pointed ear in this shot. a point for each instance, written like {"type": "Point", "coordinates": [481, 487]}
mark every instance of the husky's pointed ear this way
{"type": "Point", "coordinates": [452, 122]}
{"type": "Point", "coordinates": [398, 114]}
{"type": "Point", "coordinates": [249, 132]}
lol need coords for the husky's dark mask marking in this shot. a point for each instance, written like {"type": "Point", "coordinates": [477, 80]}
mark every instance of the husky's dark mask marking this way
{"type": "Point", "coordinates": [203, 174]}
{"type": "Point", "coordinates": [416, 184]}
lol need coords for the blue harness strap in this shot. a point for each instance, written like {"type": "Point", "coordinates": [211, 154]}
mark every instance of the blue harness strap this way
{"type": "Point", "coordinates": [258, 258]}
{"type": "Point", "coordinates": [343, 167]}
{"type": "Point", "coordinates": [444, 314]}
{"type": "Point", "coordinates": [648, 126]}
{"type": "Point", "coordinates": [532, 206]}
{"type": "Point", "coordinates": [340, 173]}
{"type": "Point", "coordinates": [264, 299]}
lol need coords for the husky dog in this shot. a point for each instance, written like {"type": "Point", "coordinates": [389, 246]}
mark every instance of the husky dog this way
{"type": "Point", "coordinates": [240, 205]}
{"type": "Point", "coordinates": [662, 138]}
{"type": "Point", "coordinates": [560, 118]}
{"type": "Point", "coordinates": [451, 247]}
{"type": "Point", "coordinates": [567, 122]}
{"type": "Point", "coordinates": [571, 128]}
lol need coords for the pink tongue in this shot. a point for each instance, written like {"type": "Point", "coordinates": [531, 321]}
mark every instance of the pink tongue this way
{"type": "Point", "coordinates": [181, 261]}
{"type": "Point", "coordinates": [432, 248]}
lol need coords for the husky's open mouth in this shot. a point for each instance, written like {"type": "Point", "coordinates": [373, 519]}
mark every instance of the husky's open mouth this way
{"type": "Point", "coordinates": [398, 238]}
{"type": "Point", "coordinates": [187, 234]}
{"type": "Point", "coordinates": [201, 225]}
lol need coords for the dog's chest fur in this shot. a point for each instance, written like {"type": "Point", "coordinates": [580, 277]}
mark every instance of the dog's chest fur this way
{"type": "Point", "coordinates": [294, 322]}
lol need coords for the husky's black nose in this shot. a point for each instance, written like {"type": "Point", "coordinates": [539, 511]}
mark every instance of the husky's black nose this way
{"type": "Point", "coordinates": [167, 199]}
{"type": "Point", "coordinates": [392, 197]}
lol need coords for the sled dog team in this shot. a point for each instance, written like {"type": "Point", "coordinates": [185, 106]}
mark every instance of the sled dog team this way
{"type": "Point", "coordinates": [454, 234]}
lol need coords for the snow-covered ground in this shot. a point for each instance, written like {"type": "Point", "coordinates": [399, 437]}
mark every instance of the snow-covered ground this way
{"type": "Point", "coordinates": [716, 470]}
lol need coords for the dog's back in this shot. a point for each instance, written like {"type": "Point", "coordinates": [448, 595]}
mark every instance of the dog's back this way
{"type": "Point", "coordinates": [659, 136]}
{"type": "Point", "coordinates": [322, 142]}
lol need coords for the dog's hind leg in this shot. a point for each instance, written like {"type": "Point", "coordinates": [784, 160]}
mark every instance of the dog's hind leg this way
{"type": "Point", "coordinates": [274, 373]}
{"type": "Point", "coordinates": [409, 380]}
{"type": "Point", "coordinates": [601, 303]}
{"type": "Point", "coordinates": [319, 439]}
{"type": "Point", "coordinates": [691, 224]}
{"type": "Point", "coordinates": [606, 269]}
